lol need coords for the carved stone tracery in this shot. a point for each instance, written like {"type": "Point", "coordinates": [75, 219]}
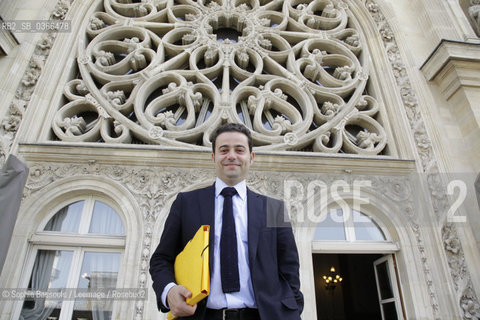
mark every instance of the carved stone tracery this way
{"type": "Point", "coordinates": [168, 73]}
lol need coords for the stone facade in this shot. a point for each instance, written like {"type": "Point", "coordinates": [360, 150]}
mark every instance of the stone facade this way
{"type": "Point", "coordinates": [122, 106]}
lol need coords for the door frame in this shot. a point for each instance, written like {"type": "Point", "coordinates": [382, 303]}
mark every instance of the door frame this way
{"type": "Point", "coordinates": [386, 248]}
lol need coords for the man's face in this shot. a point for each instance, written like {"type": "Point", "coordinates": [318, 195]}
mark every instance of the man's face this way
{"type": "Point", "coordinates": [232, 157]}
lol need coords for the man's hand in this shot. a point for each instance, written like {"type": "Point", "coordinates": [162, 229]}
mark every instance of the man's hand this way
{"type": "Point", "coordinates": [176, 297]}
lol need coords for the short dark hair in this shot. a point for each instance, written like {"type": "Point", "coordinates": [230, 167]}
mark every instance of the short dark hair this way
{"type": "Point", "coordinates": [232, 127]}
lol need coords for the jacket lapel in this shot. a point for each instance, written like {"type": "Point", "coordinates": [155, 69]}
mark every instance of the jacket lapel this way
{"type": "Point", "coordinates": [256, 220]}
{"type": "Point", "coordinates": [207, 214]}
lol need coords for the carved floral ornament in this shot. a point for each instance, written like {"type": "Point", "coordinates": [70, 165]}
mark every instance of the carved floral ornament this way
{"type": "Point", "coordinates": [474, 14]}
{"type": "Point", "coordinates": [168, 73]}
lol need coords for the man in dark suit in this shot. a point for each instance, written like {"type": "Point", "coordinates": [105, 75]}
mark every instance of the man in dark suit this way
{"type": "Point", "coordinates": [263, 280]}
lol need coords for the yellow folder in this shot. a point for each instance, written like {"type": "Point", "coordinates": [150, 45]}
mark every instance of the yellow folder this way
{"type": "Point", "coordinates": [191, 267]}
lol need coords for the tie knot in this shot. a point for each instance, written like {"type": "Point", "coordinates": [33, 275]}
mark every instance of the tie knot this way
{"type": "Point", "coordinates": [228, 192]}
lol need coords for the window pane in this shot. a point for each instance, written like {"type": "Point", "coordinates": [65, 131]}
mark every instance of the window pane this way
{"type": "Point", "coordinates": [331, 228]}
{"type": "Point", "coordinates": [365, 228]}
{"type": "Point", "coordinates": [99, 270]}
{"type": "Point", "coordinates": [384, 284]}
{"type": "Point", "coordinates": [67, 219]}
{"type": "Point", "coordinates": [389, 311]}
{"type": "Point", "coordinates": [105, 220]}
{"type": "Point", "coordinates": [50, 271]}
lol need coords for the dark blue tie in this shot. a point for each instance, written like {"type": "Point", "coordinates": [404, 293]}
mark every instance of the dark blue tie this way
{"type": "Point", "coordinates": [228, 245]}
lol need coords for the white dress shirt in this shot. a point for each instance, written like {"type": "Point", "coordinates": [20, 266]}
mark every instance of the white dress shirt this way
{"type": "Point", "coordinates": [244, 298]}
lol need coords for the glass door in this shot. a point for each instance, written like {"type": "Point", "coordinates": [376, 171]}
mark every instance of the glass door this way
{"type": "Point", "coordinates": [387, 288]}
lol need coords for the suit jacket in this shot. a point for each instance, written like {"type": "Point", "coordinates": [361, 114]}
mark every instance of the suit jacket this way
{"type": "Point", "coordinates": [271, 247]}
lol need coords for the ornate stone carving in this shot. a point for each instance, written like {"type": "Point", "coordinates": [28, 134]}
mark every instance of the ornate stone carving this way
{"type": "Point", "coordinates": [286, 63]}
{"type": "Point", "coordinates": [470, 307]}
{"type": "Point", "coordinates": [45, 44]}
{"type": "Point", "coordinates": [456, 260]}
{"type": "Point", "coordinates": [11, 122]}
{"type": "Point", "coordinates": [474, 15]}
{"type": "Point", "coordinates": [61, 10]}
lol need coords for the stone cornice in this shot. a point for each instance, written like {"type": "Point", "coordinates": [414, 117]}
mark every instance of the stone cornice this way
{"type": "Point", "coordinates": [183, 158]}
{"type": "Point", "coordinates": [449, 51]}
{"type": "Point", "coordinates": [8, 41]}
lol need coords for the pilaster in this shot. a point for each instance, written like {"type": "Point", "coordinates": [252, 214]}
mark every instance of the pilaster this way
{"type": "Point", "coordinates": [454, 67]}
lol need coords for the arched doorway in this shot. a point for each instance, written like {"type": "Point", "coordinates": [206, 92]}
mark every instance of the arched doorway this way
{"type": "Point", "coordinates": [354, 269]}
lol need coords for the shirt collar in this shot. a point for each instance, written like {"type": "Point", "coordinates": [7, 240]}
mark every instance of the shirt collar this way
{"type": "Point", "coordinates": [241, 188]}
